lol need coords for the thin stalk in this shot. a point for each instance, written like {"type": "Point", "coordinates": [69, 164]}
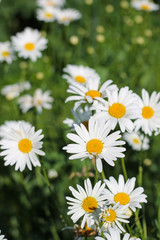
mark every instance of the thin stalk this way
{"type": "Point", "coordinates": [124, 169]}
{"type": "Point", "coordinates": [103, 175]}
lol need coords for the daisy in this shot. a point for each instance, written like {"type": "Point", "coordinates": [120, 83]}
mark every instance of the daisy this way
{"type": "Point", "coordinates": [111, 216]}
{"type": "Point", "coordinates": [25, 103]}
{"type": "Point", "coordinates": [47, 14]}
{"type": "Point", "coordinates": [50, 3]}
{"type": "Point", "coordinates": [120, 108]}
{"type": "Point", "coordinates": [6, 53]}
{"type": "Point", "coordinates": [124, 193]}
{"type": "Point", "coordinates": [96, 142]}
{"type": "Point", "coordinates": [80, 116]}
{"type": "Point", "coordinates": [114, 234]}
{"type": "Point", "coordinates": [2, 236]}
{"type": "Point", "coordinates": [137, 141]}
{"type": "Point", "coordinates": [66, 16]}
{"type": "Point", "coordinates": [42, 100]}
{"type": "Point", "coordinates": [20, 148]}
{"type": "Point", "coordinates": [145, 5]}
{"type": "Point", "coordinates": [8, 126]}
{"type": "Point", "coordinates": [12, 91]}
{"type": "Point", "coordinates": [79, 74]}
{"type": "Point", "coordinates": [29, 44]}
{"type": "Point", "coordinates": [149, 119]}
{"type": "Point", "coordinates": [85, 202]}
{"type": "Point", "coordinates": [92, 91]}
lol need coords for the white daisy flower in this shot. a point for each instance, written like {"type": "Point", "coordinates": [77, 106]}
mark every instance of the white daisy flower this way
{"type": "Point", "coordinates": [50, 3]}
{"type": "Point", "coordinates": [2, 236]}
{"type": "Point", "coordinates": [114, 234]}
{"type": "Point", "coordinates": [120, 108]}
{"type": "Point", "coordinates": [149, 120]}
{"type": "Point", "coordinates": [95, 142]}
{"type": "Point", "coordinates": [85, 202]}
{"type": "Point", "coordinates": [25, 103]}
{"type": "Point", "coordinates": [8, 126]}
{"type": "Point", "coordinates": [92, 91]}
{"type": "Point", "coordinates": [42, 100]}
{"type": "Point", "coordinates": [79, 74]}
{"type": "Point", "coordinates": [47, 14]}
{"type": "Point", "coordinates": [124, 193]}
{"type": "Point", "coordinates": [6, 53]}
{"type": "Point", "coordinates": [29, 44]}
{"type": "Point", "coordinates": [145, 5]}
{"type": "Point", "coordinates": [137, 141]}
{"type": "Point", "coordinates": [21, 148]}
{"type": "Point", "coordinates": [80, 116]}
{"type": "Point", "coordinates": [12, 91]}
{"type": "Point", "coordinates": [111, 216]}
{"type": "Point", "coordinates": [68, 15]}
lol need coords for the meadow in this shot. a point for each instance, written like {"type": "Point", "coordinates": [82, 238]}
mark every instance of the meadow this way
{"type": "Point", "coordinates": [120, 43]}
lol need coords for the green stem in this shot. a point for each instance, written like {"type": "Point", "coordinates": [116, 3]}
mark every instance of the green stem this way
{"type": "Point", "coordinates": [124, 169]}
{"type": "Point", "coordinates": [138, 223]}
{"type": "Point", "coordinates": [103, 175]}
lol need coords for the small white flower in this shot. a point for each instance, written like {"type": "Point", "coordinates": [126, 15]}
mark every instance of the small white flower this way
{"type": "Point", "coordinates": [86, 202]}
{"type": "Point", "coordinates": [21, 148]}
{"type": "Point", "coordinates": [25, 103]}
{"type": "Point", "coordinates": [42, 100]}
{"type": "Point", "coordinates": [47, 14]}
{"type": "Point", "coordinates": [124, 193]}
{"type": "Point", "coordinates": [149, 119]}
{"type": "Point", "coordinates": [80, 116]}
{"type": "Point", "coordinates": [12, 91]}
{"type": "Point", "coordinates": [111, 216]}
{"type": "Point", "coordinates": [66, 16]}
{"type": "Point", "coordinates": [145, 5]}
{"type": "Point", "coordinates": [120, 108]}
{"type": "Point", "coordinates": [6, 53]}
{"type": "Point", "coordinates": [137, 140]}
{"type": "Point", "coordinates": [29, 44]}
{"type": "Point", "coordinates": [2, 236]}
{"type": "Point", "coordinates": [79, 74]}
{"type": "Point", "coordinates": [50, 3]}
{"type": "Point", "coordinates": [95, 142]}
{"type": "Point", "coordinates": [114, 234]}
{"type": "Point", "coordinates": [92, 91]}
{"type": "Point", "coordinates": [8, 126]}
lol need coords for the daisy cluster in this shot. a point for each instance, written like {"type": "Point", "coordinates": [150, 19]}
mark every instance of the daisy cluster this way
{"type": "Point", "coordinates": [51, 10]}
{"type": "Point", "coordinates": [104, 117]}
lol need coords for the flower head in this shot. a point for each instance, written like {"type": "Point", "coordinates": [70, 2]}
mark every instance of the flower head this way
{"type": "Point", "coordinates": [21, 148]}
{"type": "Point", "coordinates": [149, 119]}
{"type": "Point", "coordinates": [85, 202]}
{"type": "Point", "coordinates": [137, 140]}
{"type": "Point", "coordinates": [29, 44]}
{"type": "Point", "coordinates": [50, 3]}
{"type": "Point", "coordinates": [42, 100]}
{"type": "Point", "coordinates": [79, 74]}
{"type": "Point", "coordinates": [6, 52]}
{"type": "Point", "coordinates": [120, 108]}
{"type": "Point", "coordinates": [2, 236]}
{"type": "Point", "coordinates": [124, 193]}
{"type": "Point", "coordinates": [96, 142]}
{"type": "Point", "coordinates": [91, 92]}
{"type": "Point", "coordinates": [68, 15]}
{"type": "Point", "coordinates": [47, 14]}
{"type": "Point", "coordinates": [145, 5]}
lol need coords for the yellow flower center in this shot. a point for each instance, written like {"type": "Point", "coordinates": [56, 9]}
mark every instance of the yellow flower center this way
{"type": "Point", "coordinates": [25, 145]}
{"type": "Point", "coordinates": [39, 102]}
{"type": "Point", "coordinates": [64, 19]}
{"type": "Point", "coordinates": [80, 79]}
{"type": "Point", "coordinates": [145, 7]}
{"type": "Point", "coordinates": [89, 204]}
{"type": "Point", "coordinates": [147, 112]}
{"type": "Point", "coordinates": [117, 110]}
{"type": "Point", "coordinates": [94, 146]}
{"type": "Point", "coordinates": [48, 15]}
{"type": "Point", "coordinates": [93, 94]}
{"type": "Point", "coordinates": [52, 4]}
{"type": "Point", "coordinates": [122, 198]}
{"type": "Point", "coordinates": [6, 54]}
{"type": "Point", "coordinates": [136, 141]}
{"type": "Point", "coordinates": [29, 46]}
{"type": "Point", "coordinates": [109, 215]}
